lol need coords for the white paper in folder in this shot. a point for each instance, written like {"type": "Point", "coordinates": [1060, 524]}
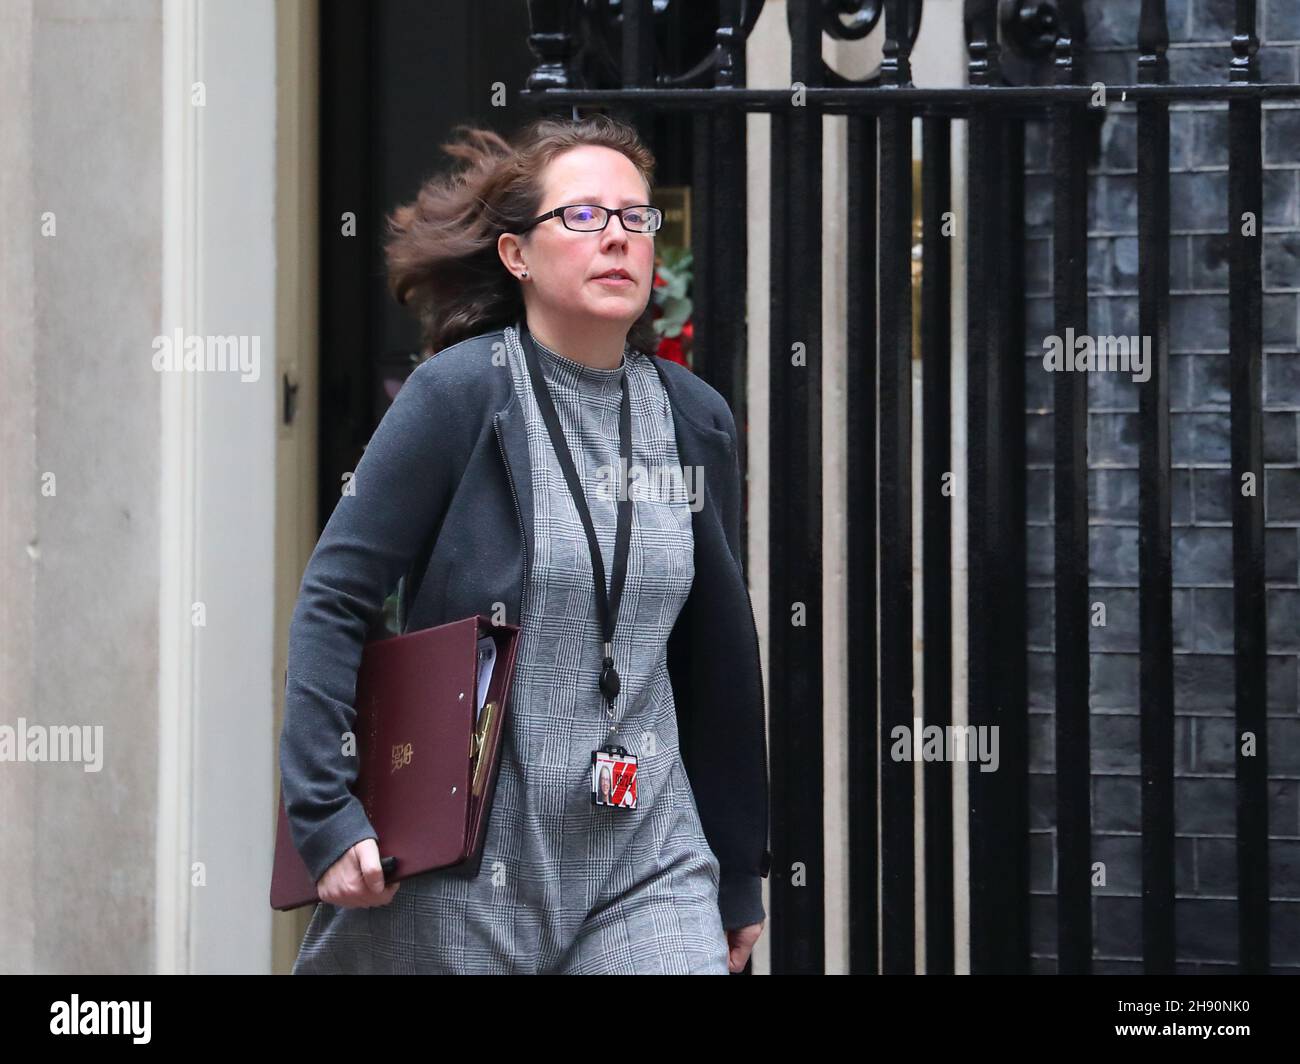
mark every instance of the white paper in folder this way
{"type": "Point", "coordinates": [487, 656]}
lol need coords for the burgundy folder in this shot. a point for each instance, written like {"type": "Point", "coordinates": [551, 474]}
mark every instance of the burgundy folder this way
{"type": "Point", "coordinates": [427, 756]}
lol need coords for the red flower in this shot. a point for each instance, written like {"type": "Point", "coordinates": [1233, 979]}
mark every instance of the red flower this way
{"type": "Point", "coordinates": [670, 347]}
{"type": "Point", "coordinates": [673, 348]}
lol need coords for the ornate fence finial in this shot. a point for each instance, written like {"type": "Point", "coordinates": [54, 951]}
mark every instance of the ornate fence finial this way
{"type": "Point", "coordinates": [1245, 44]}
{"type": "Point", "coordinates": [983, 66]}
{"type": "Point", "coordinates": [551, 38]}
{"type": "Point", "coordinates": [1153, 40]}
{"type": "Point", "coordinates": [897, 66]}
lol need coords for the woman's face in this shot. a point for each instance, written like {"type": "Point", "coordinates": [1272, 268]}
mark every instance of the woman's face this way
{"type": "Point", "coordinates": [563, 266]}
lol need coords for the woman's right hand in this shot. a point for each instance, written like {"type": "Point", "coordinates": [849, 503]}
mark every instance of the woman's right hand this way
{"type": "Point", "coordinates": [356, 879]}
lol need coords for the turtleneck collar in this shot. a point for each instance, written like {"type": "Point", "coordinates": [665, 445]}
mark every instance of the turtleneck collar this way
{"type": "Point", "coordinates": [578, 375]}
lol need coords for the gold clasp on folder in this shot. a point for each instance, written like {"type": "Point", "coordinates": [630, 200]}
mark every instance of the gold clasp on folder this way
{"type": "Point", "coordinates": [478, 745]}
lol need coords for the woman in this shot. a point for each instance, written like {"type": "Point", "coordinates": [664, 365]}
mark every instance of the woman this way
{"type": "Point", "coordinates": [531, 269]}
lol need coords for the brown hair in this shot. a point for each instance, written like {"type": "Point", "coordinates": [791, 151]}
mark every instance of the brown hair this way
{"type": "Point", "coordinates": [442, 247]}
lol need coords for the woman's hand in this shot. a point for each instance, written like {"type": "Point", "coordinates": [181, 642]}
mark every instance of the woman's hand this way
{"type": "Point", "coordinates": [356, 879]}
{"type": "Point", "coordinates": [741, 941]}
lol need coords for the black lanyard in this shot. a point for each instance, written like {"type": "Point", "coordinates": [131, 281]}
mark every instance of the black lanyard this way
{"type": "Point", "coordinates": [606, 605]}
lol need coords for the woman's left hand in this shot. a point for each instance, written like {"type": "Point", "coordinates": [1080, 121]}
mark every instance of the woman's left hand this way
{"type": "Point", "coordinates": [741, 941]}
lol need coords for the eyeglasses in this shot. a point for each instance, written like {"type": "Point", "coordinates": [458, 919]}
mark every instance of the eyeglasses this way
{"type": "Point", "coordinates": [592, 218]}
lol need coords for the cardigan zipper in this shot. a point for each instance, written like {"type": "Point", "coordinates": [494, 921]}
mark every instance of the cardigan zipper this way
{"type": "Point", "coordinates": [523, 537]}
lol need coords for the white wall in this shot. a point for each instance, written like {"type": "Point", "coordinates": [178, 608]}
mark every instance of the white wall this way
{"type": "Point", "coordinates": [79, 625]}
{"type": "Point", "coordinates": [163, 219]}
{"type": "Point", "coordinates": [218, 735]}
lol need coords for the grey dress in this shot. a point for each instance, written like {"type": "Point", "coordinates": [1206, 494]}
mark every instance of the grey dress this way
{"type": "Point", "coordinates": [566, 886]}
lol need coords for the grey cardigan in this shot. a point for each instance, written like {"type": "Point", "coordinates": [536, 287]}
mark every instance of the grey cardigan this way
{"type": "Point", "coordinates": [440, 505]}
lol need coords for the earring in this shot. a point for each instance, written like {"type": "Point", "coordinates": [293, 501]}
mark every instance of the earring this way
{"type": "Point", "coordinates": [524, 274]}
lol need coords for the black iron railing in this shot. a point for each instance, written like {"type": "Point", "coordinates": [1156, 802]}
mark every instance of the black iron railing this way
{"type": "Point", "coordinates": [1025, 62]}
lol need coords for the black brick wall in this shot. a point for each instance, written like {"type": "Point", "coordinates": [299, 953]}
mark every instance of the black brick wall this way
{"type": "Point", "coordinates": [1202, 534]}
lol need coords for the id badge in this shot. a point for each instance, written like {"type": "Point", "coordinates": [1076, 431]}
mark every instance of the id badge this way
{"type": "Point", "coordinates": [613, 777]}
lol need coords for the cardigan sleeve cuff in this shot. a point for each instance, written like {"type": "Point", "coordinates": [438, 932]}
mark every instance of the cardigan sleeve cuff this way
{"type": "Point", "coordinates": [338, 834]}
{"type": "Point", "coordinates": [740, 900]}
